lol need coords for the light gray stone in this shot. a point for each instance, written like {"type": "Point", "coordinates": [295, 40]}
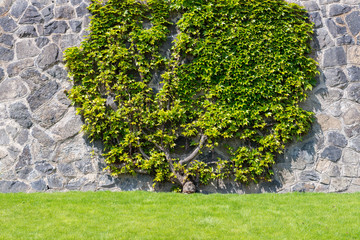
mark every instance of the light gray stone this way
{"type": "Point", "coordinates": [70, 40]}
{"type": "Point", "coordinates": [41, 95]}
{"type": "Point", "coordinates": [334, 171]}
{"type": "Point", "coordinates": [2, 74]}
{"type": "Point", "coordinates": [349, 171]}
{"type": "Point", "coordinates": [75, 184]}
{"type": "Point", "coordinates": [352, 131]}
{"type": "Point", "coordinates": [49, 114]}
{"type": "Point", "coordinates": [49, 56]}
{"type": "Point", "coordinates": [68, 126]}
{"type": "Point", "coordinates": [12, 89]}
{"type": "Point", "coordinates": [307, 176]}
{"type": "Point", "coordinates": [82, 10]}
{"type": "Point", "coordinates": [13, 152]}
{"type": "Point", "coordinates": [64, 12]}
{"type": "Point", "coordinates": [24, 172]}
{"type": "Point", "coordinates": [354, 74]}
{"type": "Point", "coordinates": [18, 8]}
{"type": "Point", "coordinates": [67, 170]}
{"type": "Point", "coordinates": [20, 113]}
{"type": "Point", "coordinates": [76, 2]}
{"type": "Point", "coordinates": [55, 181]}
{"type": "Point", "coordinates": [16, 67]}
{"type": "Point", "coordinates": [13, 187]}
{"type": "Point", "coordinates": [4, 138]}
{"type": "Point", "coordinates": [335, 77]}
{"type": "Point", "coordinates": [42, 137]}
{"type": "Point", "coordinates": [325, 2]}
{"type": "Point", "coordinates": [315, 17]}
{"type": "Point", "coordinates": [355, 144]}
{"type": "Point", "coordinates": [352, 21]}
{"type": "Point", "coordinates": [84, 166]}
{"type": "Point", "coordinates": [27, 31]}
{"type": "Point", "coordinates": [75, 26]}
{"type": "Point", "coordinates": [8, 24]}
{"type": "Point", "coordinates": [44, 168]}
{"type": "Point", "coordinates": [22, 137]}
{"type": "Point", "coordinates": [351, 116]}
{"type": "Point", "coordinates": [106, 181]}
{"type": "Point", "coordinates": [26, 49]}
{"type": "Point", "coordinates": [353, 92]}
{"type": "Point", "coordinates": [339, 184]}
{"type": "Point", "coordinates": [303, 187]}
{"type": "Point", "coordinates": [31, 16]}
{"type": "Point", "coordinates": [334, 56]}
{"type": "Point", "coordinates": [48, 13]}
{"type": "Point", "coordinates": [353, 55]}
{"type": "Point", "coordinates": [55, 27]}
{"type": "Point", "coordinates": [345, 40]}
{"type": "Point", "coordinates": [58, 73]}
{"type": "Point", "coordinates": [25, 158]}
{"type": "Point", "coordinates": [39, 185]}
{"type": "Point", "coordinates": [311, 6]}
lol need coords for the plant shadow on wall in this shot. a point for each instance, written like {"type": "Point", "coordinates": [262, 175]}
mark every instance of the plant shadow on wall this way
{"type": "Point", "coordinates": [191, 91]}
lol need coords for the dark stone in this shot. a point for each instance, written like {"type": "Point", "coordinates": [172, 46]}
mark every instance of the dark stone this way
{"type": "Point", "coordinates": [75, 26]}
{"type": "Point", "coordinates": [84, 166]}
{"type": "Point", "coordinates": [42, 137]}
{"type": "Point", "coordinates": [7, 24]}
{"type": "Point", "coordinates": [335, 78]}
{"type": "Point", "coordinates": [13, 187]}
{"type": "Point", "coordinates": [64, 12]}
{"type": "Point", "coordinates": [334, 56]}
{"type": "Point", "coordinates": [2, 74]}
{"type": "Point", "coordinates": [26, 31]}
{"type": "Point", "coordinates": [24, 159]}
{"type": "Point", "coordinates": [334, 29]}
{"type": "Point", "coordinates": [75, 2]}
{"type": "Point", "coordinates": [352, 21]}
{"type": "Point", "coordinates": [45, 168]}
{"type": "Point", "coordinates": [339, 20]}
{"type": "Point", "coordinates": [55, 181]}
{"type": "Point", "coordinates": [41, 3]}
{"type": "Point", "coordinates": [353, 92]}
{"type": "Point", "coordinates": [332, 153]}
{"type": "Point", "coordinates": [75, 184]}
{"type": "Point", "coordinates": [20, 113]}
{"type": "Point", "coordinates": [82, 10]}
{"type": "Point", "coordinates": [58, 73]}
{"type": "Point", "coordinates": [337, 139]}
{"type": "Point", "coordinates": [67, 170]}
{"type": "Point", "coordinates": [18, 8]}
{"type": "Point", "coordinates": [354, 74]}
{"type": "Point", "coordinates": [303, 187]}
{"type": "Point", "coordinates": [106, 181]}
{"type": "Point", "coordinates": [6, 55]}
{"type": "Point", "coordinates": [345, 40]}
{"type": "Point", "coordinates": [189, 187]}
{"type": "Point", "coordinates": [49, 56]}
{"type": "Point", "coordinates": [338, 9]}
{"type": "Point", "coordinates": [24, 172]}
{"type": "Point", "coordinates": [55, 27]}
{"type": "Point", "coordinates": [315, 17]}
{"type": "Point", "coordinates": [309, 176]}
{"type": "Point", "coordinates": [31, 16]}
{"type": "Point", "coordinates": [39, 185]}
{"type": "Point", "coordinates": [311, 6]}
{"type": "Point", "coordinates": [42, 42]}
{"type": "Point", "coordinates": [41, 95]}
{"type": "Point", "coordinates": [22, 137]}
{"type": "Point", "coordinates": [7, 40]}
{"type": "Point", "coordinates": [48, 13]}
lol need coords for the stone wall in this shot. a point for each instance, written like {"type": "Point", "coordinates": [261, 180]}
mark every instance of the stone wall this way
{"type": "Point", "coordinates": [41, 148]}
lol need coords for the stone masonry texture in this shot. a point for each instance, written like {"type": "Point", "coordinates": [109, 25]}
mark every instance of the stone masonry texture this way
{"type": "Point", "coordinates": [42, 149]}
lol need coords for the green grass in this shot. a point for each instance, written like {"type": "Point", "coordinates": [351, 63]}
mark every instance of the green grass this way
{"type": "Point", "coordinates": [144, 215]}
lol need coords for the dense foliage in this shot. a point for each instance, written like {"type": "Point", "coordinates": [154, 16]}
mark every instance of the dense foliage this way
{"type": "Point", "coordinates": [236, 73]}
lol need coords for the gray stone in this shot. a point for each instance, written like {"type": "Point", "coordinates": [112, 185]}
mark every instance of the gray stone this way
{"type": "Point", "coordinates": [7, 40]}
{"type": "Point", "coordinates": [339, 20]}
{"type": "Point", "coordinates": [18, 8]}
{"type": "Point", "coordinates": [337, 139]}
{"type": "Point", "coordinates": [41, 95]}
{"type": "Point", "coordinates": [345, 40]}
{"type": "Point", "coordinates": [334, 171]}
{"type": "Point", "coordinates": [39, 185]}
{"type": "Point", "coordinates": [13, 152]}
{"type": "Point", "coordinates": [328, 96]}
{"type": "Point", "coordinates": [49, 56]}
{"type": "Point", "coordinates": [335, 78]}
{"type": "Point", "coordinates": [339, 184]}
{"type": "Point", "coordinates": [24, 159]}
{"type": "Point", "coordinates": [338, 9]}
{"type": "Point", "coordinates": [58, 73]}
{"type": "Point", "coordinates": [31, 16]}
{"type": "Point", "coordinates": [82, 10]}
{"type": "Point", "coordinates": [75, 26]}
{"type": "Point", "coordinates": [75, 184]}
{"type": "Point", "coordinates": [45, 168]}
{"type": "Point", "coordinates": [13, 187]}
{"type": "Point", "coordinates": [68, 126]}
{"type": "Point", "coordinates": [16, 67]}
{"type": "Point", "coordinates": [26, 31]}
{"type": "Point", "coordinates": [315, 17]}
{"type": "Point", "coordinates": [76, 2]}
{"type": "Point", "coordinates": [6, 54]}
{"type": "Point", "coordinates": [8, 24]}
{"type": "Point", "coordinates": [12, 131]}
{"type": "Point", "coordinates": [42, 42]}
{"type": "Point", "coordinates": [84, 166]}
{"type": "Point", "coordinates": [41, 3]}
{"type": "Point", "coordinates": [20, 113]}
{"type": "Point", "coordinates": [311, 6]}
{"type": "Point", "coordinates": [22, 137]}
{"type": "Point", "coordinates": [353, 55]}
{"type": "Point", "coordinates": [106, 181]}
{"type": "Point", "coordinates": [55, 181]}
{"type": "Point", "coordinates": [11, 89]}
{"type": "Point", "coordinates": [334, 29]}
{"type": "Point", "coordinates": [303, 187]}
{"type": "Point", "coordinates": [351, 156]}
{"type": "Point", "coordinates": [64, 12]}
{"type": "Point", "coordinates": [324, 2]}
{"type": "Point", "coordinates": [349, 171]}
{"type": "Point", "coordinates": [353, 92]}
{"type": "Point", "coordinates": [55, 27]}
{"type": "Point", "coordinates": [334, 56]}
{"type": "Point", "coordinates": [49, 114]}
{"type": "Point", "coordinates": [352, 21]}
{"type": "Point", "coordinates": [309, 176]}
{"type": "Point", "coordinates": [353, 130]}
{"type": "Point", "coordinates": [354, 74]}
{"type": "Point", "coordinates": [2, 74]}
{"type": "Point", "coordinates": [4, 139]}
{"type": "Point", "coordinates": [42, 137]}
{"type": "Point", "coordinates": [355, 144]}
{"type": "Point", "coordinates": [332, 153]}
{"type": "Point", "coordinates": [26, 49]}
{"type": "Point", "coordinates": [59, 2]}
{"type": "Point", "coordinates": [48, 13]}
{"type": "Point", "coordinates": [67, 170]}
{"type": "Point", "coordinates": [351, 116]}
{"type": "Point", "coordinates": [61, 97]}
{"type": "Point", "coordinates": [24, 172]}
{"type": "Point", "coordinates": [70, 40]}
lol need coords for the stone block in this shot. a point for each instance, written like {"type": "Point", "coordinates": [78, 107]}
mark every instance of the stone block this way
{"type": "Point", "coordinates": [42, 137]}
{"type": "Point", "coordinates": [351, 116]}
{"type": "Point", "coordinates": [8, 24]}
{"type": "Point", "coordinates": [307, 176]}
{"type": "Point", "coordinates": [67, 170]}
{"type": "Point", "coordinates": [339, 184]}
{"type": "Point", "coordinates": [106, 181]}
{"type": "Point", "coordinates": [49, 56]}
{"type": "Point", "coordinates": [55, 181]}
{"type": "Point", "coordinates": [49, 114]}
{"type": "Point", "coordinates": [55, 27]}
{"type": "Point", "coordinates": [338, 9]}
{"type": "Point", "coordinates": [82, 10]}
{"type": "Point", "coordinates": [355, 143]}
{"type": "Point", "coordinates": [26, 32]}
{"type": "Point", "coordinates": [15, 68]}
{"type": "Point", "coordinates": [331, 153]}
{"type": "Point", "coordinates": [349, 171]}
{"type": "Point", "coordinates": [18, 8]}
{"type": "Point", "coordinates": [334, 57]}
{"type": "Point", "coordinates": [354, 55]}
{"type": "Point", "coordinates": [12, 89]}
{"type": "Point", "coordinates": [303, 187]}
{"type": "Point", "coordinates": [335, 77]}
{"type": "Point", "coordinates": [26, 49]}
{"type": "Point", "coordinates": [7, 40]}
{"type": "Point", "coordinates": [6, 54]}
{"type": "Point", "coordinates": [352, 130]}
{"type": "Point", "coordinates": [13, 187]}
{"type": "Point", "coordinates": [353, 92]}
{"type": "Point", "coordinates": [337, 139]}
{"type": "Point", "coordinates": [68, 126]}
{"type": "Point", "coordinates": [75, 25]}
{"type": "Point", "coordinates": [328, 122]}
{"type": "Point", "coordinates": [20, 113]}
{"type": "Point", "coordinates": [4, 138]}
{"type": "Point", "coordinates": [84, 166]}
{"type": "Point", "coordinates": [352, 21]}
{"type": "Point", "coordinates": [31, 16]}
{"type": "Point", "coordinates": [39, 185]}
{"type": "Point", "coordinates": [41, 42]}
{"type": "Point", "coordinates": [45, 168]}
{"type": "Point", "coordinates": [48, 13]}
{"type": "Point", "coordinates": [64, 12]}
{"type": "Point", "coordinates": [41, 95]}
{"type": "Point", "coordinates": [354, 74]}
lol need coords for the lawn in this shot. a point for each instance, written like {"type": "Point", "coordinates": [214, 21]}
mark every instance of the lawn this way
{"type": "Point", "coordinates": [145, 215]}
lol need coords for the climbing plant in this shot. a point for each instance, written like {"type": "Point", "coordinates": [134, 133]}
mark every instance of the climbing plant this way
{"type": "Point", "coordinates": [161, 82]}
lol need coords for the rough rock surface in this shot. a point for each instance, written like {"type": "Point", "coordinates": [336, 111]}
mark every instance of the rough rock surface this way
{"type": "Point", "coordinates": [41, 148]}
